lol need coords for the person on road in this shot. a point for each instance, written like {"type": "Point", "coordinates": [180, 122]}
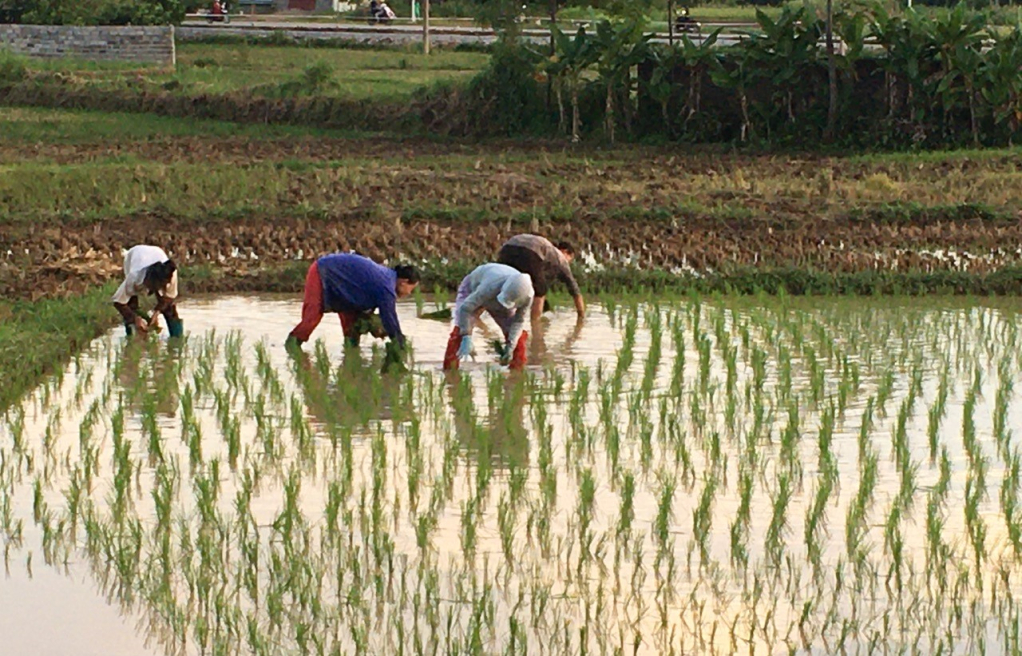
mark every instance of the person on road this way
{"type": "Point", "coordinates": [506, 294]}
{"type": "Point", "coordinates": [544, 262]}
{"type": "Point", "coordinates": [148, 270]}
{"type": "Point", "coordinates": [353, 286]}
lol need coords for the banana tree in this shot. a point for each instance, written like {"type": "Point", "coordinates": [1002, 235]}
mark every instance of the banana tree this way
{"type": "Point", "coordinates": [1000, 82]}
{"type": "Point", "coordinates": [909, 54]}
{"type": "Point", "coordinates": [787, 55]}
{"type": "Point", "coordinates": [572, 57]}
{"type": "Point", "coordinates": [733, 74]}
{"type": "Point", "coordinates": [620, 46]}
{"type": "Point", "coordinates": [667, 60]}
{"type": "Point", "coordinates": [699, 58]}
{"type": "Point", "coordinates": [959, 42]}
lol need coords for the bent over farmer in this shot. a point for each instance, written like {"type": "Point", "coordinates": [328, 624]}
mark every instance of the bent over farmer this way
{"type": "Point", "coordinates": [506, 294]}
{"type": "Point", "coordinates": [148, 269]}
{"type": "Point", "coordinates": [544, 262]}
{"type": "Point", "coordinates": [353, 286]}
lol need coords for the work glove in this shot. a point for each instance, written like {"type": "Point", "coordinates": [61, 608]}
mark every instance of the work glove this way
{"type": "Point", "coordinates": [465, 349]}
{"type": "Point", "coordinates": [505, 356]}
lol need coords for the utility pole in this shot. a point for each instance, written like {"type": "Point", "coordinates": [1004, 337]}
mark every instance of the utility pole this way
{"type": "Point", "coordinates": [831, 75]}
{"type": "Point", "coordinates": [425, 27]}
{"type": "Point", "coordinates": [670, 22]}
{"type": "Point", "coordinates": [553, 22]}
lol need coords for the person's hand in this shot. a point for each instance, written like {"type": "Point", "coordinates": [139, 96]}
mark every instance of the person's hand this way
{"type": "Point", "coordinates": [465, 349]}
{"type": "Point", "coordinates": [141, 325]}
{"type": "Point", "coordinates": [505, 358]}
{"type": "Point", "coordinates": [154, 321]}
{"type": "Point", "coordinates": [580, 307]}
{"type": "Point", "coordinates": [379, 332]}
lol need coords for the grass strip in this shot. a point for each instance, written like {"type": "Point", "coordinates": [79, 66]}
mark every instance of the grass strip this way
{"type": "Point", "coordinates": [39, 337]}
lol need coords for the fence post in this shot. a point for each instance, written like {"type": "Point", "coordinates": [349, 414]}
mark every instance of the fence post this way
{"type": "Point", "coordinates": [425, 27]}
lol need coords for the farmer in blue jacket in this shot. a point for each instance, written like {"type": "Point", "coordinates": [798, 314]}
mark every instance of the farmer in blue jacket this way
{"type": "Point", "coordinates": [353, 286]}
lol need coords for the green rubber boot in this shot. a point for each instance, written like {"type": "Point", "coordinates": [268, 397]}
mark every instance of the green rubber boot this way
{"type": "Point", "coordinates": [292, 345]}
{"type": "Point", "coordinates": [175, 327]}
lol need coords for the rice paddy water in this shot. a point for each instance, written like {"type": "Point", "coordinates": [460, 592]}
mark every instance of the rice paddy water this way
{"type": "Point", "coordinates": [700, 475]}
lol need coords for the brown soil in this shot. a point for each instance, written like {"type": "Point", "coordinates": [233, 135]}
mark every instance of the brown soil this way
{"type": "Point", "coordinates": [44, 261]}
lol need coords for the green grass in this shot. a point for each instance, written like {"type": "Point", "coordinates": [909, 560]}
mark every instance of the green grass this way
{"type": "Point", "coordinates": [353, 74]}
{"type": "Point", "coordinates": [38, 337]}
{"type": "Point", "coordinates": [30, 125]}
{"type": "Point", "coordinates": [359, 74]}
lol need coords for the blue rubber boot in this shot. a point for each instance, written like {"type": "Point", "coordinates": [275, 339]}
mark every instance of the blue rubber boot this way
{"type": "Point", "coordinates": [175, 327]}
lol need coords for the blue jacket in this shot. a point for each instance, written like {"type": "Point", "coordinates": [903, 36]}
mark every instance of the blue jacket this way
{"type": "Point", "coordinates": [353, 283]}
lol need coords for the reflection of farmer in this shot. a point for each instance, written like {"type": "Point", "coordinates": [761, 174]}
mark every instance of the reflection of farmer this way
{"type": "Point", "coordinates": [503, 439]}
{"type": "Point", "coordinates": [538, 349]}
{"type": "Point", "coordinates": [353, 286]}
{"type": "Point", "coordinates": [160, 385]}
{"type": "Point", "coordinates": [148, 269]}
{"type": "Point", "coordinates": [545, 262]}
{"type": "Point", "coordinates": [506, 294]}
{"type": "Point", "coordinates": [357, 397]}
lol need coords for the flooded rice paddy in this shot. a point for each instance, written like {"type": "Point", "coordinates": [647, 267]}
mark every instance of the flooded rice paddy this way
{"type": "Point", "coordinates": [701, 476]}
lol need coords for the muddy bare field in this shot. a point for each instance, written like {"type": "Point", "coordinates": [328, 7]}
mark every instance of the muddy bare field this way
{"type": "Point", "coordinates": [439, 203]}
{"type": "Point", "coordinates": [47, 261]}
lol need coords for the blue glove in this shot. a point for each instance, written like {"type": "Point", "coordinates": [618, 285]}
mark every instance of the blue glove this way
{"type": "Point", "coordinates": [465, 349]}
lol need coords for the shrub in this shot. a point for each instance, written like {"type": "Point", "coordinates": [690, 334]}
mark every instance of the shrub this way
{"type": "Point", "coordinates": [12, 67]}
{"type": "Point", "coordinates": [507, 97]}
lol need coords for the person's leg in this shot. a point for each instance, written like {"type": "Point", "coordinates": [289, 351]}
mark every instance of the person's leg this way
{"type": "Point", "coordinates": [129, 326]}
{"type": "Point", "coordinates": [175, 327]}
{"type": "Point", "coordinates": [451, 354]}
{"type": "Point", "coordinates": [312, 306]}
{"type": "Point", "coordinates": [519, 356]}
{"type": "Point", "coordinates": [351, 336]}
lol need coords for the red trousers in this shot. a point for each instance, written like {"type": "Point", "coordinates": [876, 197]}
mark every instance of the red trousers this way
{"type": "Point", "coordinates": [312, 309]}
{"type": "Point", "coordinates": [518, 358]}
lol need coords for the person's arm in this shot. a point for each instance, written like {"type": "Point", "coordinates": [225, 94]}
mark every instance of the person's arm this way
{"type": "Point", "coordinates": [564, 273]}
{"type": "Point", "coordinates": [121, 300]}
{"type": "Point", "coordinates": [388, 316]}
{"type": "Point", "coordinates": [163, 303]}
{"type": "Point", "coordinates": [131, 317]}
{"type": "Point", "coordinates": [580, 306]}
{"type": "Point", "coordinates": [470, 308]}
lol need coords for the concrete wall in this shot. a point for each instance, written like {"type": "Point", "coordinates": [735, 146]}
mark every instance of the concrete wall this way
{"type": "Point", "coordinates": [108, 43]}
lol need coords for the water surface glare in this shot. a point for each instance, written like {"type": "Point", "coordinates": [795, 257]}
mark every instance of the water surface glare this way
{"type": "Point", "coordinates": [696, 476]}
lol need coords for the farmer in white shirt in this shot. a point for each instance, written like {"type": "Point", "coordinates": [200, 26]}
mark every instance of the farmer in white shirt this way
{"type": "Point", "coordinates": [148, 270]}
{"type": "Point", "coordinates": [506, 294]}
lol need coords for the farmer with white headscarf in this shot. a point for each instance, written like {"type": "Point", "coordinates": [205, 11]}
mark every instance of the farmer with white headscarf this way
{"type": "Point", "coordinates": [506, 294]}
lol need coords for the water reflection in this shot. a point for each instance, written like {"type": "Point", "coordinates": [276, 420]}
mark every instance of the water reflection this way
{"type": "Point", "coordinates": [350, 395]}
{"type": "Point", "coordinates": [148, 373]}
{"type": "Point", "coordinates": [500, 439]}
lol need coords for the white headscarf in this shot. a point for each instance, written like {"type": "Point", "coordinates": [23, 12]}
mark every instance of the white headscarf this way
{"type": "Point", "coordinates": [516, 291]}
